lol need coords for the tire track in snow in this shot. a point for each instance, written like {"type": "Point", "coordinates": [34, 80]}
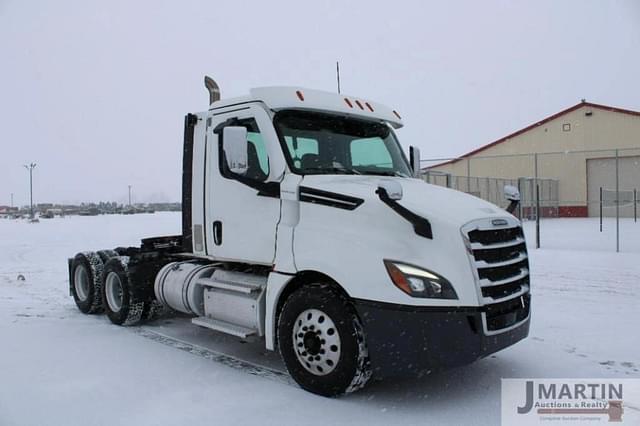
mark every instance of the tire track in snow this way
{"type": "Point", "coordinates": [224, 359]}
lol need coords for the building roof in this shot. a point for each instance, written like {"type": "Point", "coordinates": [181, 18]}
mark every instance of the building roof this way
{"type": "Point", "coordinates": [539, 123]}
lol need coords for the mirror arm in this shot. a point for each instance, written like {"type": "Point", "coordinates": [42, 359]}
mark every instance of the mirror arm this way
{"type": "Point", "coordinates": [421, 225]}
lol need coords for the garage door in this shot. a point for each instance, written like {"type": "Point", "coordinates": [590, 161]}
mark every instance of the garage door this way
{"type": "Point", "coordinates": [601, 172]}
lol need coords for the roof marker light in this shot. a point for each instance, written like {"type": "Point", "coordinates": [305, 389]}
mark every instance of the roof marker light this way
{"type": "Point", "coordinates": [397, 115]}
{"type": "Point", "coordinates": [348, 102]}
{"type": "Point", "coordinates": [369, 106]}
{"type": "Point", "coordinates": [300, 95]}
{"type": "Point", "coordinates": [359, 104]}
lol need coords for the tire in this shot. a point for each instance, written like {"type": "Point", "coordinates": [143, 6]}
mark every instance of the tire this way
{"type": "Point", "coordinates": [86, 282]}
{"type": "Point", "coordinates": [155, 310]}
{"type": "Point", "coordinates": [335, 360]}
{"type": "Point", "coordinates": [120, 302]}
{"type": "Point", "coordinates": [105, 255]}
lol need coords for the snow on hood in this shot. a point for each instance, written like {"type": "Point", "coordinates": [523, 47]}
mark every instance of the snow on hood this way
{"type": "Point", "coordinates": [430, 201]}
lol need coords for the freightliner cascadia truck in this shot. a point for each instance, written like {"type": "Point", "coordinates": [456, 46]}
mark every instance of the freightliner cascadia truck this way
{"type": "Point", "coordinates": [305, 225]}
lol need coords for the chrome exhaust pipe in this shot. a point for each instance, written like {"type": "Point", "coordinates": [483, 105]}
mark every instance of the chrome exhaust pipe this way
{"type": "Point", "coordinates": [212, 87]}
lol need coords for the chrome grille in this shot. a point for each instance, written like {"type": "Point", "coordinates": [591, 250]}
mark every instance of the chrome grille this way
{"type": "Point", "coordinates": [500, 258]}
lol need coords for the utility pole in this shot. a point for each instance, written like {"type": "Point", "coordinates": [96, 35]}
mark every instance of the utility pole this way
{"type": "Point", "coordinates": [338, 75]}
{"type": "Point", "coordinates": [129, 195]}
{"type": "Point", "coordinates": [30, 167]}
{"type": "Point", "coordinates": [12, 200]}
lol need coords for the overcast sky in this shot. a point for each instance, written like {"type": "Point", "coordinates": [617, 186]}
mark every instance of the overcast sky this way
{"type": "Point", "coordinates": [95, 92]}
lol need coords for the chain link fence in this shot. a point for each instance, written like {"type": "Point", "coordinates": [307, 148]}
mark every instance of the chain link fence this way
{"type": "Point", "coordinates": [597, 189]}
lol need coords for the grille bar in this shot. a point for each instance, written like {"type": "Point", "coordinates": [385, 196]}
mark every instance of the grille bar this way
{"type": "Point", "coordinates": [494, 236]}
{"type": "Point", "coordinates": [484, 264]}
{"type": "Point", "coordinates": [488, 283]}
{"type": "Point", "coordinates": [480, 246]}
{"type": "Point", "coordinates": [523, 290]}
{"type": "Point", "coordinates": [501, 291]}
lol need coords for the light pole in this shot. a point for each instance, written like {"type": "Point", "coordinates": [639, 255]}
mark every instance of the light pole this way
{"type": "Point", "coordinates": [30, 167]}
{"type": "Point", "coordinates": [129, 195]}
{"type": "Point", "coordinates": [12, 200]}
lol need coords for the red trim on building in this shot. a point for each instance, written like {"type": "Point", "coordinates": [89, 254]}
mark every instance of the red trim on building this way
{"type": "Point", "coordinates": [540, 123]}
{"type": "Point", "coordinates": [562, 211]}
{"type": "Point", "coordinates": [573, 211]}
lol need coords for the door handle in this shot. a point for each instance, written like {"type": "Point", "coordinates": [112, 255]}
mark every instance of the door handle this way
{"type": "Point", "coordinates": [217, 232]}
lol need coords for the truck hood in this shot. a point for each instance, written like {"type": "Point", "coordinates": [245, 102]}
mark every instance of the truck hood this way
{"type": "Point", "coordinates": [427, 200]}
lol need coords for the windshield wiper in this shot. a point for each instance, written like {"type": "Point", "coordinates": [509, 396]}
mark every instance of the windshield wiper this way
{"type": "Point", "coordinates": [330, 170]}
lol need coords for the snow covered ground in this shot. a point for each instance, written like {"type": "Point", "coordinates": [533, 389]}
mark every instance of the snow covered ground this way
{"type": "Point", "coordinates": [58, 366]}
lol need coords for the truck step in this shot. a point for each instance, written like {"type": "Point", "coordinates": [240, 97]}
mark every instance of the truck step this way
{"type": "Point", "coordinates": [223, 326]}
{"type": "Point", "coordinates": [235, 281]}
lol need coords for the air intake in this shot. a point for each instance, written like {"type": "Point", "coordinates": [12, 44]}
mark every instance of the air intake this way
{"type": "Point", "coordinates": [212, 87]}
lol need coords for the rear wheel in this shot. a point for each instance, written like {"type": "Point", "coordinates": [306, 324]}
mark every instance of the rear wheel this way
{"type": "Point", "coordinates": [120, 301]}
{"type": "Point", "coordinates": [322, 342]}
{"type": "Point", "coordinates": [86, 287]}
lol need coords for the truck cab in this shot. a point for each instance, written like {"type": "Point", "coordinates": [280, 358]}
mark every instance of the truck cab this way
{"type": "Point", "coordinates": [304, 223]}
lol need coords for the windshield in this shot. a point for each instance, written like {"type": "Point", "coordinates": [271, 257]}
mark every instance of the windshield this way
{"type": "Point", "coordinates": [319, 143]}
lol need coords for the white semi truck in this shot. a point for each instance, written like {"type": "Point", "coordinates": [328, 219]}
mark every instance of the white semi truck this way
{"type": "Point", "coordinates": [304, 224]}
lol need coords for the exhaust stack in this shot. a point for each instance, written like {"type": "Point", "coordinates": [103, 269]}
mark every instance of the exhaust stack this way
{"type": "Point", "coordinates": [212, 87]}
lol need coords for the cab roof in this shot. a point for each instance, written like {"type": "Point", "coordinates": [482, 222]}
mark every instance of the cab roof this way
{"type": "Point", "coordinates": [279, 98]}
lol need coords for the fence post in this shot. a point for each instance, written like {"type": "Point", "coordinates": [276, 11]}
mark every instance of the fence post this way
{"type": "Point", "coordinates": [535, 179]}
{"type": "Point", "coordinates": [488, 190]}
{"type": "Point", "coordinates": [537, 216]}
{"type": "Point", "coordinates": [617, 205]}
{"type": "Point", "coordinates": [600, 209]}
{"type": "Point", "coordinates": [520, 203]}
{"type": "Point", "coordinates": [468, 175]}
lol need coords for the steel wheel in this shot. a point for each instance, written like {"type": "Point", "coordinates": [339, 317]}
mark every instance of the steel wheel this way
{"type": "Point", "coordinates": [113, 291]}
{"type": "Point", "coordinates": [322, 342]}
{"type": "Point", "coordinates": [317, 342]}
{"type": "Point", "coordinates": [81, 283]}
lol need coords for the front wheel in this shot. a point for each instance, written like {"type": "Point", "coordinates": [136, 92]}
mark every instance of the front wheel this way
{"type": "Point", "coordinates": [322, 341]}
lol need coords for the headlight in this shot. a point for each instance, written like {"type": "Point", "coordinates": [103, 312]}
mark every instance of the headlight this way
{"type": "Point", "coordinates": [418, 282]}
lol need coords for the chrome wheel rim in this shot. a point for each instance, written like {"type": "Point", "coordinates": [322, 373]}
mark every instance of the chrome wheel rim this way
{"type": "Point", "coordinates": [81, 282]}
{"type": "Point", "coordinates": [113, 291]}
{"type": "Point", "coordinates": [316, 342]}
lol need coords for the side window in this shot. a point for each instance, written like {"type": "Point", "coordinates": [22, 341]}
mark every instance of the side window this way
{"type": "Point", "coordinates": [301, 149]}
{"type": "Point", "coordinates": [257, 157]}
{"type": "Point", "coordinates": [370, 152]}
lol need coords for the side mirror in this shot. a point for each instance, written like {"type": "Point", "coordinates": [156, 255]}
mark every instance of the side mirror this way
{"type": "Point", "coordinates": [234, 139]}
{"type": "Point", "coordinates": [511, 193]}
{"type": "Point", "coordinates": [392, 188]}
{"type": "Point", "coordinates": [414, 159]}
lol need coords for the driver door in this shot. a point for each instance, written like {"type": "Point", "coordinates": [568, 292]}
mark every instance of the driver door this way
{"type": "Point", "coordinates": [243, 211]}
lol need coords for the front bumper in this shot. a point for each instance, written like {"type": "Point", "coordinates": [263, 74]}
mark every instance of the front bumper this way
{"type": "Point", "coordinates": [409, 340]}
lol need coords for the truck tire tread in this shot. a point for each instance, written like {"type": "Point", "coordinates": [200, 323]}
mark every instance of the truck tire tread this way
{"type": "Point", "coordinates": [94, 267]}
{"type": "Point", "coordinates": [132, 309]}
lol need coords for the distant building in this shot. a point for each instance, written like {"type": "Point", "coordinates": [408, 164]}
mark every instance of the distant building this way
{"type": "Point", "coordinates": [599, 129]}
